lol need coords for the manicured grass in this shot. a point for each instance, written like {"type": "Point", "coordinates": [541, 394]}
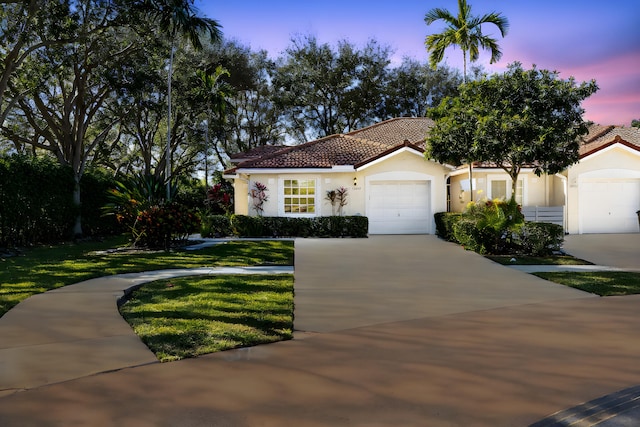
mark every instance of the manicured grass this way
{"type": "Point", "coordinates": [190, 316]}
{"type": "Point", "coordinates": [603, 283]}
{"type": "Point", "coordinates": [45, 268]}
{"type": "Point", "coordinates": [533, 260]}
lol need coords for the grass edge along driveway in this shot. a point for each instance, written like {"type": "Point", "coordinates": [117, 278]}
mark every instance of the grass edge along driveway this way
{"type": "Point", "coordinates": [49, 267]}
{"type": "Point", "coordinates": [195, 315]}
{"type": "Point", "coordinates": [176, 318]}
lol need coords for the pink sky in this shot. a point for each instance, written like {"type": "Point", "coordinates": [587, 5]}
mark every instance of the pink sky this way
{"type": "Point", "coordinates": [586, 39]}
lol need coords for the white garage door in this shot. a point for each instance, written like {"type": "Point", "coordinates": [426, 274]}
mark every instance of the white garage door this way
{"type": "Point", "coordinates": [399, 207]}
{"type": "Point", "coordinates": [609, 205]}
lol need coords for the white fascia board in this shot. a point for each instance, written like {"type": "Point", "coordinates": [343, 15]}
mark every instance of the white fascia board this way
{"type": "Point", "coordinates": [280, 171]}
{"type": "Point", "coordinates": [609, 148]}
{"type": "Point", "coordinates": [388, 156]}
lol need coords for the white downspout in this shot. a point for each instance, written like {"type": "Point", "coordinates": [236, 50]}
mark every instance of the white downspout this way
{"type": "Point", "coordinates": [565, 218]}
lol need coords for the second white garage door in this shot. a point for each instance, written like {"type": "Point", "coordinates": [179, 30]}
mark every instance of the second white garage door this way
{"type": "Point", "coordinates": [399, 207]}
{"type": "Point", "coordinates": [609, 205]}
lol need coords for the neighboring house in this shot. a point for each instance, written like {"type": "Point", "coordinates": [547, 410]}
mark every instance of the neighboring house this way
{"type": "Point", "coordinates": [389, 180]}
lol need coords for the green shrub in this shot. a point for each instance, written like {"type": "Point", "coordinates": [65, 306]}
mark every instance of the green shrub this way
{"type": "Point", "coordinates": [161, 225]}
{"type": "Point", "coordinates": [490, 227]}
{"type": "Point", "coordinates": [331, 226]}
{"type": "Point", "coordinates": [540, 238]}
{"type": "Point", "coordinates": [445, 222]}
{"type": "Point", "coordinates": [190, 192]}
{"type": "Point", "coordinates": [215, 226]}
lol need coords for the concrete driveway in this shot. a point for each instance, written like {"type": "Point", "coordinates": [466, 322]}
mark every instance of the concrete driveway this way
{"type": "Point", "coordinates": [349, 283]}
{"type": "Point", "coordinates": [614, 250]}
{"type": "Point", "coordinates": [394, 331]}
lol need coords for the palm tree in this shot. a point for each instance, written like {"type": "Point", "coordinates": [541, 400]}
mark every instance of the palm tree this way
{"type": "Point", "coordinates": [176, 18]}
{"type": "Point", "coordinates": [213, 92]}
{"type": "Point", "coordinates": [464, 31]}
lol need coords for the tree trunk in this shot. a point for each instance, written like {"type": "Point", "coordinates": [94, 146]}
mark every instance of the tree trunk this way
{"type": "Point", "coordinates": [168, 148]}
{"type": "Point", "coordinates": [77, 228]}
{"type": "Point", "coordinates": [471, 180]}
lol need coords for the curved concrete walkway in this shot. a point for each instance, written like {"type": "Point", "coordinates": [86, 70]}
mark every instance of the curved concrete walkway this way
{"type": "Point", "coordinates": [407, 331]}
{"type": "Point", "coordinates": [77, 331]}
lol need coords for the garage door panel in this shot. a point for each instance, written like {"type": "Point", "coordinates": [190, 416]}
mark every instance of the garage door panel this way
{"type": "Point", "coordinates": [401, 207]}
{"type": "Point", "coordinates": [609, 205]}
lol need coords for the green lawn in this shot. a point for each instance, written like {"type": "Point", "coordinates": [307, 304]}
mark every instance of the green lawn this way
{"type": "Point", "coordinates": [603, 283]}
{"type": "Point", "coordinates": [532, 260]}
{"type": "Point", "coordinates": [45, 268]}
{"type": "Point", "coordinates": [190, 316]}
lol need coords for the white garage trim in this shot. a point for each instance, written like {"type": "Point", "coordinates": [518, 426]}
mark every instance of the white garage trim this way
{"type": "Point", "coordinates": [414, 188]}
{"type": "Point", "coordinates": [608, 201]}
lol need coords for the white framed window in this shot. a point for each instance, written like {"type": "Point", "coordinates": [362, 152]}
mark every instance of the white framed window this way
{"type": "Point", "coordinates": [499, 187]}
{"type": "Point", "coordinates": [298, 196]}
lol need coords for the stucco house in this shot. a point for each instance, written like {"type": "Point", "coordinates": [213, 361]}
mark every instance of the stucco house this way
{"type": "Point", "coordinates": [388, 180]}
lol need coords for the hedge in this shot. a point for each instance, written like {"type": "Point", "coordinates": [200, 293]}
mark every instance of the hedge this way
{"type": "Point", "coordinates": [256, 226]}
{"type": "Point", "coordinates": [445, 222]}
{"type": "Point", "coordinates": [528, 238]}
{"type": "Point", "coordinates": [36, 195]}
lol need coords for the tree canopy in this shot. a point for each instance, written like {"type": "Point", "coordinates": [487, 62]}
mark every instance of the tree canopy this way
{"type": "Point", "coordinates": [521, 118]}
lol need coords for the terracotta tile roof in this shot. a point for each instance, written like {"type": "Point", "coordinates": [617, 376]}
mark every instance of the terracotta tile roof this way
{"type": "Point", "coordinates": [600, 137]}
{"type": "Point", "coordinates": [256, 152]}
{"type": "Point", "coordinates": [396, 131]}
{"type": "Point", "coordinates": [355, 148]}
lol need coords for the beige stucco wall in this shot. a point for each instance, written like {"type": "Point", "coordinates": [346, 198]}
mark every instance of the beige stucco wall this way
{"type": "Point", "coordinates": [614, 160]}
{"type": "Point", "coordinates": [240, 199]}
{"type": "Point", "coordinates": [325, 181]}
{"type": "Point", "coordinates": [403, 165]}
{"type": "Point", "coordinates": [408, 165]}
{"type": "Point", "coordinates": [544, 190]}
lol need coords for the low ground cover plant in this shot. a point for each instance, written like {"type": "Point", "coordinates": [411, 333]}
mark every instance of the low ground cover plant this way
{"type": "Point", "coordinates": [191, 316]}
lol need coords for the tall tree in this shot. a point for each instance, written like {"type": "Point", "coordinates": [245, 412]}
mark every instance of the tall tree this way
{"type": "Point", "coordinates": [521, 118]}
{"type": "Point", "coordinates": [27, 26]}
{"type": "Point", "coordinates": [213, 94]}
{"type": "Point", "coordinates": [67, 87]}
{"type": "Point", "coordinates": [414, 88]}
{"type": "Point", "coordinates": [178, 18]}
{"type": "Point", "coordinates": [464, 31]}
{"type": "Point", "coordinates": [326, 91]}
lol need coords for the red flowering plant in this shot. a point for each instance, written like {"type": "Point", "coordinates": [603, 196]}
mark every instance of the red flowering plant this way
{"type": "Point", "coordinates": [258, 196]}
{"type": "Point", "coordinates": [160, 226]}
{"type": "Point", "coordinates": [220, 199]}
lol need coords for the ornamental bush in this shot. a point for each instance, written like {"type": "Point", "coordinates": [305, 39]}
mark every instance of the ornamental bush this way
{"type": "Point", "coordinates": [490, 226]}
{"type": "Point", "coordinates": [498, 227]}
{"type": "Point", "coordinates": [160, 226]}
{"type": "Point", "coordinates": [540, 238]}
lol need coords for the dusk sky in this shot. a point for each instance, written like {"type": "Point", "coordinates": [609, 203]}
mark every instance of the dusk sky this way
{"type": "Point", "coordinates": [586, 39]}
